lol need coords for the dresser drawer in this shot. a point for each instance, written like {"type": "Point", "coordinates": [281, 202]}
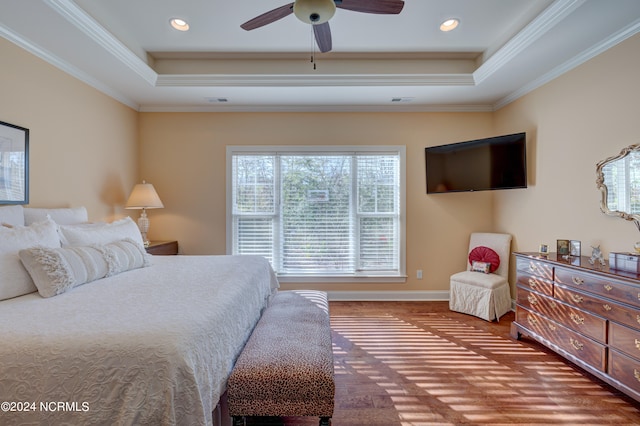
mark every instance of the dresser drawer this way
{"type": "Point", "coordinates": [581, 347]}
{"type": "Point", "coordinates": [534, 267]}
{"type": "Point", "coordinates": [624, 369]}
{"type": "Point", "coordinates": [612, 289]}
{"type": "Point", "coordinates": [576, 319]}
{"type": "Point", "coordinates": [624, 339]}
{"type": "Point", "coordinates": [535, 283]}
{"type": "Point", "coordinates": [606, 308]}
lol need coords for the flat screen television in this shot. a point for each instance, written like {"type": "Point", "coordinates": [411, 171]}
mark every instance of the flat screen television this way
{"type": "Point", "coordinates": [479, 165]}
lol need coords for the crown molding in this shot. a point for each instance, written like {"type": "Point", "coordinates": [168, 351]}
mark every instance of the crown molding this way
{"type": "Point", "coordinates": [272, 80]}
{"type": "Point", "coordinates": [85, 23]}
{"type": "Point", "coordinates": [321, 108]}
{"type": "Point", "coordinates": [64, 66]}
{"type": "Point", "coordinates": [544, 22]}
{"type": "Point", "coordinates": [586, 55]}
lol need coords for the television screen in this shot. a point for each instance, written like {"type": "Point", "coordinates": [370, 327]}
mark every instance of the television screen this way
{"type": "Point", "coordinates": [479, 165]}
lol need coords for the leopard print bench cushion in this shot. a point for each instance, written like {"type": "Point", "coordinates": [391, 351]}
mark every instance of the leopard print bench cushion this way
{"type": "Point", "coordinates": [286, 367]}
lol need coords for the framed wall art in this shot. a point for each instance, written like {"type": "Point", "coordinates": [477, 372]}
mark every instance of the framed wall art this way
{"type": "Point", "coordinates": [14, 164]}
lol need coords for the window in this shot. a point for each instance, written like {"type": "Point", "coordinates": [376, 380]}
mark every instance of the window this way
{"type": "Point", "coordinates": [319, 212]}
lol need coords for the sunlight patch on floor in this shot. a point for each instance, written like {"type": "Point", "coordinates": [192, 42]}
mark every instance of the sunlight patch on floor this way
{"type": "Point", "coordinates": [428, 365]}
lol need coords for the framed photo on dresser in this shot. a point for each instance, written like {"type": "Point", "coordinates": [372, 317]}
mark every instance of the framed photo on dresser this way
{"type": "Point", "coordinates": [562, 247]}
{"type": "Point", "coordinates": [574, 248]}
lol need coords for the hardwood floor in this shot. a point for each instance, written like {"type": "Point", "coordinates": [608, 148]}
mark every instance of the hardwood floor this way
{"type": "Point", "coordinates": [417, 363]}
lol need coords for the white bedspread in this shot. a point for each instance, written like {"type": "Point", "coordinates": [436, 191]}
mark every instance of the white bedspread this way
{"type": "Point", "coordinates": [152, 346]}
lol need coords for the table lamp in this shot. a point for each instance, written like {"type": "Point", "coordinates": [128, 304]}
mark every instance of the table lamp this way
{"type": "Point", "coordinates": [144, 196]}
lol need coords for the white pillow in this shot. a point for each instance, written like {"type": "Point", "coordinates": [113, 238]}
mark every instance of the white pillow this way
{"type": "Point", "coordinates": [12, 215]}
{"type": "Point", "coordinates": [14, 279]}
{"type": "Point", "coordinates": [56, 270]}
{"type": "Point", "coordinates": [62, 216]}
{"type": "Point", "coordinates": [100, 233]}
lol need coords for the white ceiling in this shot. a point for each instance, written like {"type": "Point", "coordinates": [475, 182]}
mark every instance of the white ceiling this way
{"type": "Point", "coordinates": [501, 50]}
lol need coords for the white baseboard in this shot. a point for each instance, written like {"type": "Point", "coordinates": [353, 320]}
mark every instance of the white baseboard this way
{"type": "Point", "coordinates": [389, 296]}
{"type": "Point", "coordinates": [393, 296]}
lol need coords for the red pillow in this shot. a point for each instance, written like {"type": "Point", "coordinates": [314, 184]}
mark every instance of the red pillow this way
{"type": "Point", "coordinates": [485, 254]}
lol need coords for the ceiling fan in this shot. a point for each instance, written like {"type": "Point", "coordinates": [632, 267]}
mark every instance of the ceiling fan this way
{"type": "Point", "coordinates": [318, 12]}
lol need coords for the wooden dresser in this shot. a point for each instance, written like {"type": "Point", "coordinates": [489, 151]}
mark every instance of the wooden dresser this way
{"type": "Point", "coordinates": [586, 313]}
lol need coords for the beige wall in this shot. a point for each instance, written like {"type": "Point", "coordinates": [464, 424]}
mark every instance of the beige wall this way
{"type": "Point", "coordinates": [572, 122]}
{"type": "Point", "coordinates": [84, 151]}
{"type": "Point", "coordinates": [82, 144]}
{"type": "Point", "coordinates": [184, 157]}
{"type": "Point", "coordinates": [585, 116]}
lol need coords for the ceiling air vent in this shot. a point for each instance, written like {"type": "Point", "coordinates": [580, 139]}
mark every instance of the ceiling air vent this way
{"type": "Point", "coordinates": [402, 100]}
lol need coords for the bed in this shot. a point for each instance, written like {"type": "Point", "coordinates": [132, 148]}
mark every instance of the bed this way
{"type": "Point", "coordinates": [150, 345]}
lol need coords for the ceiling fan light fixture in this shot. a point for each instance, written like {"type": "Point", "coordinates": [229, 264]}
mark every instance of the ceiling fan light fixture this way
{"type": "Point", "coordinates": [314, 12]}
{"type": "Point", "coordinates": [449, 25]}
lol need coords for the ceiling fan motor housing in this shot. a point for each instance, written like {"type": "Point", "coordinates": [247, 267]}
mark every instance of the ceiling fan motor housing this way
{"type": "Point", "coordinates": [314, 11]}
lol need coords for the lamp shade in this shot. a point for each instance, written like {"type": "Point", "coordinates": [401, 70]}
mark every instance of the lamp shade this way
{"type": "Point", "coordinates": [144, 196]}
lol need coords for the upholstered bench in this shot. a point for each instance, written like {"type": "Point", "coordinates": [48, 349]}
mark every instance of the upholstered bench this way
{"type": "Point", "coordinates": [286, 367]}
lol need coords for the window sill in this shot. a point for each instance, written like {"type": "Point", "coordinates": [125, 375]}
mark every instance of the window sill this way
{"type": "Point", "coordinates": [288, 278]}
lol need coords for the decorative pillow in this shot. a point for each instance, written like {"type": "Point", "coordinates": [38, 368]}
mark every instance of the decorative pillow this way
{"type": "Point", "coordinates": [12, 215]}
{"type": "Point", "coordinates": [100, 233]}
{"type": "Point", "coordinates": [14, 279]}
{"type": "Point", "coordinates": [484, 267]}
{"type": "Point", "coordinates": [485, 254]}
{"type": "Point", "coordinates": [62, 216]}
{"type": "Point", "coordinates": [56, 270]}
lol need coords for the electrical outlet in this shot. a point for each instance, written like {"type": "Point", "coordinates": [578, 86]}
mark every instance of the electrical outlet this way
{"type": "Point", "coordinates": [419, 274]}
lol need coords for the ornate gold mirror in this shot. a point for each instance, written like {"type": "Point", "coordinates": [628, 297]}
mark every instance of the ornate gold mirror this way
{"type": "Point", "coordinates": [618, 179]}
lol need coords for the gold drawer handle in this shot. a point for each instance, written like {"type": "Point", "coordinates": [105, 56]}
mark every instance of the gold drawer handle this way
{"type": "Point", "coordinates": [638, 318]}
{"type": "Point", "coordinates": [533, 267]}
{"type": "Point", "coordinates": [608, 287]}
{"type": "Point", "coordinates": [576, 298]}
{"type": "Point", "coordinates": [636, 373]}
{"type": "Point", "coordinates": [576, 318]}
{"type": "Point", "coordinates": [552, 327]}
{"type": "Point", "coordinates": [532, 319]}
{"type": "Point", "coordinates": [533, 283]}
{"type": "Point", "coordinates": [607, 307]}
{"type": "Point", "coordinates": [580, 281]}
{"type": "Point", "coordinates": [637, 344]}
{"type": "Point", "coordinates": [576, 345]}
{"type": "Point", "coordinates": [532, 299]}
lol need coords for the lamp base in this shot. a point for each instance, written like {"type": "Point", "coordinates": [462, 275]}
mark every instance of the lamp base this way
{"type": "Point", "coordinates": [143, 226]}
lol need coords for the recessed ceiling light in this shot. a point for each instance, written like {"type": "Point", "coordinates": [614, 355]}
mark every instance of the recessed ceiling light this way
{"type": "Point", "coordinates": [179, 24]}
{"type": "Point", "coordinates": [449, 24]}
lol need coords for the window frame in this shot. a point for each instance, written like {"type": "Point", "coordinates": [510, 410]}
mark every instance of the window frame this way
{"type": "Point", "coordinates": [399, 150]}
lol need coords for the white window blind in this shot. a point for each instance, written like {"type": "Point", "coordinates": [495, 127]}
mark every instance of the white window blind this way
{"type": "Point", "coordinates": [319, 211]}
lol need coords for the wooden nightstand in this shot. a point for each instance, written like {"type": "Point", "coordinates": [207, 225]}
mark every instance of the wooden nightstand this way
{"type": "Point", "coordinates": [163, 248]}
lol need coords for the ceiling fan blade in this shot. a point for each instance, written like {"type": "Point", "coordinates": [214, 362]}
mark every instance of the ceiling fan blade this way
{"type": "Point", "coordinates": [385, 7]}
{"type": "Point", "coordinates": [323, 36]}
{"type": "Point", "coordinates": [268, 17]}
